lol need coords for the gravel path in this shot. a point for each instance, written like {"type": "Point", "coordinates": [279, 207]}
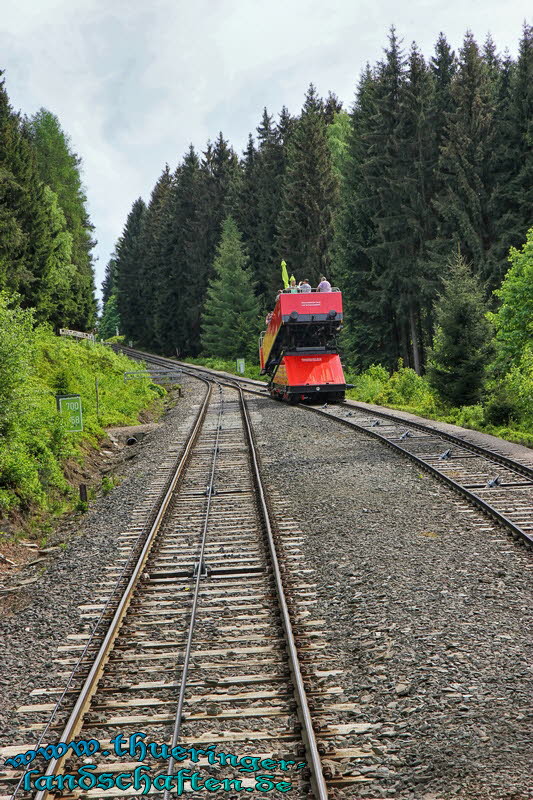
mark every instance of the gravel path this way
{"type": "Point", "coordinates": [48, 609]}
{"type": "Point", "coordinates": [428, 607]}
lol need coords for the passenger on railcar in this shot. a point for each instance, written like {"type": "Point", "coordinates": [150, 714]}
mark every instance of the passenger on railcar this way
{"type": "Point", "coordinates": [305, 286]}
{"type": "Point", "coordinates": [324, 285]}
{"type": "Point", "coordinates": [292, 286]}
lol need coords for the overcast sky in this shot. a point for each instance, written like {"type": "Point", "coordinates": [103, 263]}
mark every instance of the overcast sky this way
{"type": "Point", "coordinates": [133, 82]}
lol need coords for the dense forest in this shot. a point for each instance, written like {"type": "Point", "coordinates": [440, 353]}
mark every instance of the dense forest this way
{"type": "Point", "coordinates": [46, 283]}
{"type": "Point", "coordinates": [416, 201]}
{"type": "Point", "coordinates": [433, 160]}
{"type": "Point", "coordinates": [46, 237]}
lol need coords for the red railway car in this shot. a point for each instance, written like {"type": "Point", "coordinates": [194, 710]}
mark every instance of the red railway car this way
{"type": "Point", "coordinates": [299, 348]}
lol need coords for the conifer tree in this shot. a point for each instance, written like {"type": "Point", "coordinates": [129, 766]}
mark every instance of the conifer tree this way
{"type": "Point", "coordinates": [27, 244]}
{"type": "Point", "coordinates": [443, 66]}
{"type": "Point", "coordinates": [221, 167]}
{"type": "Point", "coordinates": [58, 304]}
{"type": "Point", "coordinates": [59, 168]}
{"type": "Point", "coordinates": [244, 207]}
{"type": "Point", "coordinates": [378, 218]}
{"type": "Point", "coordinates": [463, 203]}
{"type": "Point", "coordinates": [511, 160]}
{"type": "Point", "coordinates": [367, 337]}
{"type": "Point", "coordinates": [332, 107]}
{"type": "Point", "coordinates": [110, 278]}
{"type": "Point", "coordinates": [310, 195]}
{"type": "Point", "coordinates": [182, 283]}
{"type": "Point", "coordinates": [411, 275]}
{"type": "Point", "coordinates": [230, 319]}
{"type": "Point", "coordinates": [339, 135]}
{"type": "Point", "coordinates": [269, 171]}
{"type": "Point", "coordinates": [151, 258]}
{"type": "Point", "coordinates": [522, 95]}
{"type": "Point", "coordinates": [109, 322]}
{"type": "Point", "coordinates": [130, 298]}
{"type": "Point", "coordinates": [463, 338]}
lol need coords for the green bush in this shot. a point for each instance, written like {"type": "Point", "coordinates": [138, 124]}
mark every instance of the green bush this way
{"type": "Point", "coordinates": [511, 399]}
{"type": "Point", "coordinates": [406, 388]}
{"type": "Point", "coordinates": [35, 365]}
{"type": "Point", "coordinates": [470, 417]}
{"type": "Point", "coordinates": [507, 410]}
{"type": "Point", "coordinates": [369, 384]}
{"type": "Point", "coordinates": [403, 389]}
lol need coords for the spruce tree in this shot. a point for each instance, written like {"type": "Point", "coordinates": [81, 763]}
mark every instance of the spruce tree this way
{"type": "Point", "coordinates": [27, 245]}
{"type": "Point", "coordinates": [332, 107]}
{"type": "Point", "coordinates": [110, 278]}
{"type": "Point", "coordinates": [59, 168]}
{"type": "Point", "coordinates": [221, 167]}
{"type": "Point", "coordinates": [384, 256]}
{"type": "Point", "coordinates": [522, 96]}
{"type": "Point", "coordinates": [463, 203]}
{"type": "Point", "coordinates": [310, 195]}
{"type": "Point", "coordinates": [230, 320]}
{"type": "Point", "coordinates": [511, 160]}
{"type": "Point", "coordinates": [58, 304]}
{"type": "Point", "coordinates": [244, 207]}
{"type": "Point", "coordinates": [411, 279]}
{"type": "Point", "coordinates": [109, 322]}
{"type": "Point", "coordinates": [130, 294]}
{"type": "Point", "coordinates": [269, 171]}
{"type": "Point", "coordinates": [443, 66]}
{"type": "Point", "coordinates": [182, 281]}
{"type": "Point", "coordinates": [367, 334]}
{"type": "Point", "coordinates": [463, 338]}
{"type": "Point", "coordinates": [151, 258]}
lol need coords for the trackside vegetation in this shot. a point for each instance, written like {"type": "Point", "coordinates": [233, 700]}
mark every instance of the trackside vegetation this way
{"type": "Point", "coordinates": [35, 366]}
{"type": "Point", "coordinates": [404, 390]}
{"type": "Point", "coordinates": [410, 201]}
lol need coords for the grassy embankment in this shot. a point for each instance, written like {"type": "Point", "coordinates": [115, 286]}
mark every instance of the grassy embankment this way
{"type": "Point", "coordinates": [507, 410]}
{"type": "Point", "coordinates": [36, 451]}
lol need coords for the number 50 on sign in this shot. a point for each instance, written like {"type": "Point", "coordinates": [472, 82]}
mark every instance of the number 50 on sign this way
{"type": "Point", "coordinates": [69, 406]}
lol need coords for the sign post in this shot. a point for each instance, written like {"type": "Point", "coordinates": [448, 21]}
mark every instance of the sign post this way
{"type": "Point", "coordinates": [240, 363]}
{"type": "Point", "coordinates": [69, 406]}
{"type": "Point", "coordinates": [76, 334]}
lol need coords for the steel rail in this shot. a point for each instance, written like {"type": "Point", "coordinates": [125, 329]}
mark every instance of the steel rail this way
{"type": "Point", "coordinates": [188, 647]}
{"type": "Point", "coordinates": [474, 498]}
{"type": "Point", "coordinates": [517, 532]}
{"type": "Point", "coordinates": [318, 782]}
{"type": "Point", "coordinates": [314, 763]}
{"type": "Point", "coordinates": [504, 461]}
{"type": "Point", "coordinates": [500, 458]}
{"type": "Point", "coordinates": [90, 685]}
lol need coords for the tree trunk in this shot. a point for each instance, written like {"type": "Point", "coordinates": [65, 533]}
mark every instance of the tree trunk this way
{"type": "Point", "coordinates": [414, 340]}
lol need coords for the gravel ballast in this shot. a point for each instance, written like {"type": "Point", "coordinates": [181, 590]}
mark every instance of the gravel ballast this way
{"type": "Point", "coordinates": [428, 606]}
{"type": "Point", "coordinates": [47, 610]}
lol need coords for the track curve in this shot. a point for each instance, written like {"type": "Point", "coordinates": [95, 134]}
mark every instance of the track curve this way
{"type": "Point", "coordinates": [500, 486]}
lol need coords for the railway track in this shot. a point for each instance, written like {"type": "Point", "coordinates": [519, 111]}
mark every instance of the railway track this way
{"type": "Point", "coordinates": [206, 635]}
{"type": "Point", "coordinates": [500, 486]}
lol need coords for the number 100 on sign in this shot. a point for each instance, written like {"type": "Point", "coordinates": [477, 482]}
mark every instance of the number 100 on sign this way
{"type": "Point", "coordinates": [71, 411]}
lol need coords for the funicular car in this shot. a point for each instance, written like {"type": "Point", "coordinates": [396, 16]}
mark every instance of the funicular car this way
{"type": "Point", "coordinates": [299, 351]}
